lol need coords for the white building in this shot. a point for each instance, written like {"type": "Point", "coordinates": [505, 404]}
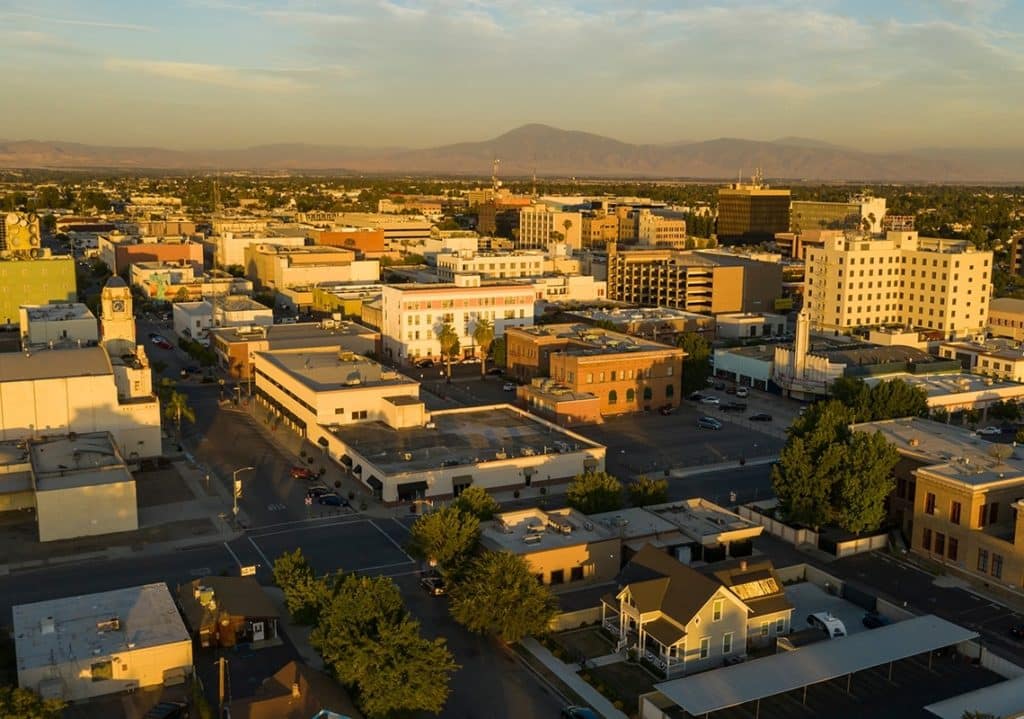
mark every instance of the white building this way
{"type": "Point", "coordinates": [46, 325]}
{"type": "Point", "coordinates": [88, 389]}
{"type": "Point", "coordinates": [739, 325]}
{"type": "Point", "coordinates": [491, 265]}
{"type": "Point", "coordinates": [569, 288]}
{"type": "Point", "coordinates": [229, 248]}
{"type": "Point", "coordinates": [277, 267]}
{"type": "Point", "coordinates": [76, 648]}
{"type": "Point", "coordinates": [412, 314]}
{"type": "Point", "coordinates": [541, 225]}
{"type": "Point", "coordinates": [231, 311]}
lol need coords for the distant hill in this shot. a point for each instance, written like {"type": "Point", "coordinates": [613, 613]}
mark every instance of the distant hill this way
{"type": "Point", "coordinates": [550, 151]}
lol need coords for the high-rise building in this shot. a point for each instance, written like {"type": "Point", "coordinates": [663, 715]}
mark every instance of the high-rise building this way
{"type": "Point", "coordinates": [751, 213]}
{"type": "Point", "coordinates": [541, 226]}
{"type": "Point", "coordinates": [40, 281]}
{"type": "Point", "coordinates": [921, 282]}
{"type": "Point", "coordinates": [861, 213]}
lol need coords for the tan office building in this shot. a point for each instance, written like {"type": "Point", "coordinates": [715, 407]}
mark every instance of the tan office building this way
{"type": "Point", "coordinates": [1006, 317]}
{"type": "Point", "coordinates": [927, 283]}
{"type": "Point", "coordinates": [751, 213]}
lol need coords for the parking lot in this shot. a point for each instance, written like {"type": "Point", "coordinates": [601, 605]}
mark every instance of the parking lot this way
{"type": "Point", "coordinates": [808, 598]}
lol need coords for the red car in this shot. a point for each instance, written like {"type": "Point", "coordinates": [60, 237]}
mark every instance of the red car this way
{"type": "Point", "coordinates": [302, 473]}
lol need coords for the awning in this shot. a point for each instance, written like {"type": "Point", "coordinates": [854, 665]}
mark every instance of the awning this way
{"type": "Point", "coordinates": [346, 460]}
{"type": "Point", "coordinates": [412, 487]}
{"type": "Point", "coordinates": [463, 480]}
{"type": "Point", "coordinates": [374, 482]}
{"type": "Point", "coordinates": [358, 469]}
{"type": "Point", "coordinates": [322, 441]}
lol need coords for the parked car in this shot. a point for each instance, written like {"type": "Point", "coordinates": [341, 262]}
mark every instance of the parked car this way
{"type": "Point", "coordinates": [829, 624]}
{"type": "Point", "coordinates": [696, 396]}
{"type": "Point", "coordinates": [160, 342]}
{"type": "Point", "coordinates": [575, 712]}
{"type": "Point", "coordinates": [719, 385]}
{"type": "Point", "coordinates": [332, 500]}
{"type": "Point", "coordinates": [730, 390]}
{"type": "Point", "coordinates": [665, 409]}
{"type": "Point", "coordinates": [761, 417]}
{"type": "Point", "coordinates": [302, 473]}
{"type": "Point", "coordinates": [433, 584]}
{"type": "Point", "coordinates": [425, 363]}
{"type": "Point", "coordinates": [734, 407]}
{"type": "Point", "coordinates": [990, 431]}
{"type": "Point", "coordinates": [168, 710]}
{"type": "Point", "coordinates": [742, 392]}
{"type": "Point", "coordinates": [494, 370]}
{"type": "Point", "coordinates": [710, 400]}
{"type": "Point", "coordinates": [709, 423]}
{"type": "Point", "coordinates": [317, 490]}
{"type": "Point", "coordinates": [509, 386]}
{"type": "Point", "coordinates": [873, 620]}
{"type": "Point", "coordinates": [471, 360]}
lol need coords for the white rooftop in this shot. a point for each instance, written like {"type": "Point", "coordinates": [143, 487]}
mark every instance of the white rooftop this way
{"type": "Point", "coordinates": [74, 629]}
{"type": "Point", "coordinates": [329, 369]}
{"type": "Point", "coordinates": [536, 530]}
{"type": "Point", "coordinates": [1005, 699]}
{"type": "Point", "coordinates": [946, 383]}
{"type": "Point", "coordinates": [77, 461]}
{"type": "Point", "coordinates": [59, 312]}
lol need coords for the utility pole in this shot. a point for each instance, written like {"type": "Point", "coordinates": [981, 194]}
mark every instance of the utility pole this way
{"type": "Point", "coordinates": [221, 671]}
{"type": "Point", "coordinates": [236, 487]}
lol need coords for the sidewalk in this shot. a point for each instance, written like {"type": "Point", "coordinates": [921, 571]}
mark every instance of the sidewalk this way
{"type": "Point", "coordinates": [719, 466]}
{"type": "Point", "coordinates": [568, 676]}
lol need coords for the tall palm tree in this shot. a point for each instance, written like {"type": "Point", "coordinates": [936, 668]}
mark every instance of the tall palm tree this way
{"type": "Point", "coordinates": [449, 340]}
{"type": "Point", "coordinates": [567, 224]}
{"type": "Point", "coordinates": [176, 406]}
{"type": "Point", "coordinates": [483, 335]}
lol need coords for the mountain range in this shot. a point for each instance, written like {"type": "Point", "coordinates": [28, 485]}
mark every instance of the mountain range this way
{"type": "Point", "coordinates": [550, 151]}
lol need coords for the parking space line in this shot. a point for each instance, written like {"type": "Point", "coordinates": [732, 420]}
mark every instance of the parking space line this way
{"type": "Point", "coordinates": [309, 520]}
{"type": "Point", "coordinates": [233, 555]}
{"type": "Point", "coordinates": [323, 525]}
{"type": "Point", "coordinates": [382, 566]}
{"type": "Point", "coordinates": [269, 564]}
{"type": "Point", "coordinates": [390, 539]}
{"type": "Point", "coordinates": [396, 521]}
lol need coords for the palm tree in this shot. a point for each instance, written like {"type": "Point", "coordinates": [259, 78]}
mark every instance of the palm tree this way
{"type": "Point", "coordinates": [483, 335]}
{"type": "Point", "coordinates": [176, 406]}
{"type": "Point", "coordinates": [567, 224]}
{"type": "Point", "coordinates": [449, 340]}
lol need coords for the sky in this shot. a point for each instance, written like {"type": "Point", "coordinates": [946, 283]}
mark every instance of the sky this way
{"type": "Point", "coordinates": [878, 75]}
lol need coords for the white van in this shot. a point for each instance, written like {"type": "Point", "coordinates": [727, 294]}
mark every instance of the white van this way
{"type": "Point", "coordinates": [833, 627]}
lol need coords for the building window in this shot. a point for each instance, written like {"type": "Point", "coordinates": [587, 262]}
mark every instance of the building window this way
{"type": "Point", "coordinates": [630, 395]}
{"type": "Point", "coordinates": [929, 503]}
{"type": "Point", "coordinates": [590, 378]}
{"type": "Point", "coordinates": [780, 625]}
{"type": "Point", "coordinates": [705, 647]}
{"type": "Point", "coordinates": [101, 671]}
{"type": "Point", "coordinates": [926, 539]}
{"type": "Point", "coordinates": [982, 515]}
{"type": "Point", "coordinates": [558, 576]}
{"type": "Point", "coordinates": [613, 397]}
{"type": "Point", "coordinates": [716, 610]}
{"type": "Point", "coordinates": [993, 513]}
{"type": "Point", "coordinates": [954, 547]}
{"type": "Point", "coordinates": [670, 391]}
{"type": "Point", "coordinates": [997, 565]}
{"type": "Point", "coordinates": [765, 627]}
{"type": "Point", "coordinates": [982, 560]}
{"type": "Point", "coordinates": [940, 543]}
{"type": "Point", "coordinates": [648, 393]}
{"type": "Point", "coordinates": [727, 643]}
{"type": "Point", "coordinates": [576, 574]}
{"type": "Point", "coordinates": [954, 513]}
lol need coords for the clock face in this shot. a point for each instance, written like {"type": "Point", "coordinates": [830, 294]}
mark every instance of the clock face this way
{"type": "Point", "coordinates": [117, 305]}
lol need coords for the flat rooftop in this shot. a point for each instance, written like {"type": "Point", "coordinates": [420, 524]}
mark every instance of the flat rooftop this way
{"type": "Point", "coordinates": [239, 303]}
{"type": "Point", "coordinates": [75, 629]}
{"type": "Point", "coordinates": [58, 312]}
{"type": "Point", "coordinates": [1005, 699]}
{"type": "Point", "coordinates": [324, 370]}
{"type": "Point", "coordinates": [54, 364]}
{"type": "Point", "coordinates": [943, 384]}
{"type": "Point", "coordinates": [534, 530]}
{"type": "Point", "coordinates": [594, 340]}
{"type": "Point", "coordinates": [1006, 304]}
{"type": "Point", "coordinates": [999, 350]}
{"type": "Point", "coordinates": [294, 336]}
{"type": "Point", "coordinates": [640, 314]}
{"type": "Point", "coordinates": [79, 461]}
{"type": "Point", "coordinates": [460, 438]}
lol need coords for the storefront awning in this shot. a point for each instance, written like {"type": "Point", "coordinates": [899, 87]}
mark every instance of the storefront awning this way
{"type": "Point", "coordinates": [374, 482]}
{"type": "Point", "coordinates": [346, 460]}
{"type": "Point", "coordinates": [412, 487]}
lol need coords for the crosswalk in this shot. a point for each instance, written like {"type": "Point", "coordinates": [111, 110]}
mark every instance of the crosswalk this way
{"type": "Point", "coordinates": [277, 507]}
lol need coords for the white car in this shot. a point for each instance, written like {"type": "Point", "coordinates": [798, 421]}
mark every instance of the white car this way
{"type": "Point", "coordinates": [833, 627]}
{"type": "Point", "coordinates": [742, 392]}
{"type": "Point", "coordinates": [509, 387]}
{"type": "Point", "coordinates": [710, 400]}
{"type": "Point", "coordinates": [990, 431]}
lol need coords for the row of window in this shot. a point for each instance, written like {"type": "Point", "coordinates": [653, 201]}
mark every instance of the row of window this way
{"type": "Point", "coordinates": [987, 513]}
{"type": "Point", "coordinates": [893, 260]}
{"type": "Point", "coordinates": [613, 396]}
{"type": "Point", "coordinates": [939, 545]}
{"type": "Point", "coordinates": [996, 566]}
{"type": "Point", "coordinates": [557, 576]}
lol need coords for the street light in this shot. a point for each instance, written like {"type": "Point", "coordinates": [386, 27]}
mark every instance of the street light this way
{"type": "Point", "coordinates": [236, 487]}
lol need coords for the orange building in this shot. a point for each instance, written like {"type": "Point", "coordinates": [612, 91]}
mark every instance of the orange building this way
{"type": "Point", "coordinates": [370, 243]}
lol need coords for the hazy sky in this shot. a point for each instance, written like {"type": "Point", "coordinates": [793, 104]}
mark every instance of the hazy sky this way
{"type": "Point", "coordinates": [878, 74]}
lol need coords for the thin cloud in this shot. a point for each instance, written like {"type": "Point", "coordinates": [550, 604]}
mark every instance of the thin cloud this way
{"type": "Point", "coordinates": [258, 80]}
{"type": "Point", "coordinates": [78, 22]}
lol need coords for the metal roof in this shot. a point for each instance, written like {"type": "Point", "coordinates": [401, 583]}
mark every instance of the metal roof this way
{"type": "Point", "coordinates": [761, 678]}
{"type": "Point", "coordinates": [1005, 699]}
{"type": "Point", "coordinates": [54, 364]}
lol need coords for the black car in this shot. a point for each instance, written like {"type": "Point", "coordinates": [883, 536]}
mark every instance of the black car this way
{"type": "Point", "coordinates": [719, 385]}
{"type": "Point", "coordinates": [761, 417]}
{"type": "Point", "coordinates": [318, 491]}
{"type": "Point", "coordinates": [332, 500]}
{"type": "Point", "coordinates": [494, 370]}
{"type": "Point", "coordinates": [578, 713]}
{"type": "Point", "coordinates": [425, 363]}
{"type": "Point", "coordinates": [696, 396]}
{"type": "Point", "coordinates": [873, 620]}
{"type": "Point", "coordinates": [734, 407]}
{"type": "Point", "coordinates": [1017, 631]}
{"type": "Point", "coordinates": [433, 584]}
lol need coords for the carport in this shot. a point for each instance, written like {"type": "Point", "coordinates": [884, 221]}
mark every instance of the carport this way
{"type": "Point", "coordinates": [999, 700]}
{"type": "Point", "coordinates": [752, 681]}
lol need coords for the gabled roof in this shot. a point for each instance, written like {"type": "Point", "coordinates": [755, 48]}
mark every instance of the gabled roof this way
{"type": "Point", "coordinates": [295, 692]}
{"type": "Point", "coordinates": [754, 581]}
{"type": "Point", "coordinates": [658, 582]}
{"type": "Point", "coordinates": [234, 596]}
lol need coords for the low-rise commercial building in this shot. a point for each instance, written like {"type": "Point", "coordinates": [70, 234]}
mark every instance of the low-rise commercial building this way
{"type": "Point", "coordinates": [229, 248]}
{"type": "Point", "coordinates": [91, 645]}
{"type": "Point", "coordinates": [57, 324]}
{"type": "Point", "coordinates": [744, 325]}
{"type": "Point", "coordinates": [491, 265]}
{"type": "Point", "coordinates": [660, 324]}
{"type": "Point", "coordinates": [277, 267]}
{"type": "Point", "coordinates": [228, 611]}
{"type": "Point", "coordinates": [44, 280]}
{"type": "Point", "coordinates": [345, 298]}
{"type": "Point", "coordinates": [1006, 318]}
{"type": "Point", "coordinates": [992, 359]}
{"type": "Point", "coordinates": [563, 548]}
{"type": "Point", "coordinates": [119, 251]}
{"type": "Point", "coordinates": [194, 319]}
{"type": "Point", "coordinates": [625, 373]}
{"type": "Point", "coordinates": [569, 289]}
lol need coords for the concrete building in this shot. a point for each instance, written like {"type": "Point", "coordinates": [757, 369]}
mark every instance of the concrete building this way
{"type": "Point", "coordinates": [649, 228]}
{"type": "Point", "coordinates": [119, 251]}
{"type": "Point", "coordinates": [346, 298]}
{"type": "Point", "coordinates": [88, 389]}
{"type": "Point", "coordinates": [170, 283]}
{"type": "Point", "coordinates": [500, 216]}
{"type": "Point", "coordinates": [60, 324]}
{"type": "Point", "coordinates": [1006, 318]}
{"type": "Point", "coordinates": [598, 229]}
{"type": "Point", "coordinates": [741, 325]}
{"type": "Point", "coordinates": [992, 359]}
{"type": "Point", "coordinates": [194, 319]}
{"type": "Point", "coordinates": [82, 487]}
{"type": "Point", "coordinates": [903, 279]}
{"type": "Point", "coordinates": [958, 498]}
{"type": "Point", "coordinates": [541, 226]}
{"type": "Point", "coordinates": [751, 213]}
{"type": "Point", "coordinates": [402, 233]}
{"type": "Point", "coordinates": [660, 324]}
{"type": "Point", "coordinates": [570, 363]}
{"type": "Point", "coordinates": [278, 267]}
{"type": "Point", "coordinates": [693, 281]}
{"type": "Point", "coordinates": [491, 265]}
{"type": "Point", "coordinates": [91, 645]}
{"type": "Point", "coordinates": [569, 289]}
{"type": "Point", "coordinates": [412, 314]}
{"type": "Point", "coordinates": [229, 248]}
{"type": "Point", "coordinates": [563, 548]}
{"type": "Point", "coordinates": [236, 347]}
{"type": "Point", "coordinates": [44, 280]}
{"type": "Point", "coordinates": [366, 243]}
{"type": "Point", "coordinates": [860, 213]}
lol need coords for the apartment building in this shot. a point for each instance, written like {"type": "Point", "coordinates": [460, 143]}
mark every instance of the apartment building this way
{"type": "Point", "coordinates": [650, 228]}
{"type": "Point", "coordinates": [277, 267]}
{"type": "Point", "coordinates": [491, 265]}
{"type": "Point", "coordinates": [1006, 318]}
{"type": "Point", "coordinates": [540, 226]}
{"type": "Point", "coordinates": [692, 280]}
{"type": "Point", "coordinates": [957, 499]}
{"type": "Point", "coordinates": [927, 283]}
{"type": "Point", "coordinates": [412, 314]}
{"type": "Point", "coordinates": [580, 373]}
{"type": "Point", "coordinates": [229, 248]}
{"type": "Point", "coordinates": [751, 213]}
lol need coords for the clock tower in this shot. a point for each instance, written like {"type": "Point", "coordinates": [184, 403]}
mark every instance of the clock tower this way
{"type": "Point", "coordinates": [118, 323]}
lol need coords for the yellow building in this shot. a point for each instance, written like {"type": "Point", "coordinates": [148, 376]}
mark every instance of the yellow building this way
{"type": "Point", "coordinates": [598, 230]}
{"type": "Point", "coordinates": [1006, 318]}
{"type": "Point", "coordinates": [927, 283]}
{"type": "Point", "coordinates": [563, 548]}
{"type": "Point", "coordinates": [46, 280]}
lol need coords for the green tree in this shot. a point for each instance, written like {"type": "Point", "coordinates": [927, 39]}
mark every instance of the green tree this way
{"type": "Point", "coordinates": [500, 358]}
{"type": "Point", "coordinates": [478, 502]}
{"type": "Point", "coordinates": [863, 481]}
{"type": "Point", "coordinates": [447, 536]}
{"type": "Point", "coordinates": [644, 491]}
{"type": "Point", "coordinates": [887, 399]}
{"type": "Point", "coordinates": [1008, 411]}
{"type": "Point", "coordinates": [696, 365]}
{"type": "Point", "coordinates": [449, 340]}
{"type": "Point", "coordinates": [594, 492]}
{"type": "Point", "coordinates": [18, 703]}
{"type": "Point", "coordinates": [483, 335]}
{"type": "Point", "coordinates": [304, 594]}
{"type": "Point", "coordinates": [176, 406]}
{"type": "Point", "coordinates": [500, 596]}
{"type": "Point", "coordinates": [182, 295]}
{"type": "Point", "coordinates": [48, 223]}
